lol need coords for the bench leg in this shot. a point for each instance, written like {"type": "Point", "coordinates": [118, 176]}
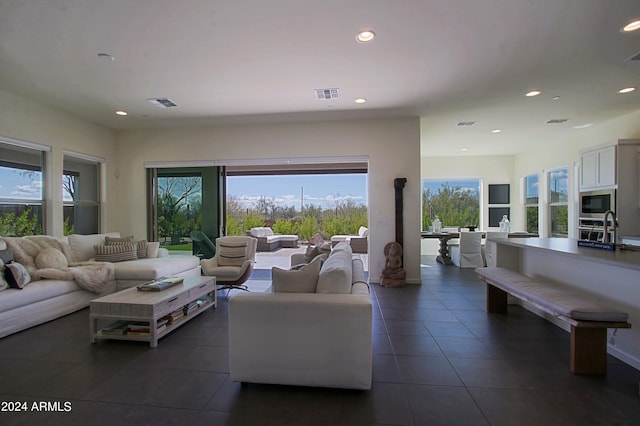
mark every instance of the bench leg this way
{"type": "Point", "coordinates": [496, 300]}
{"type": "Point", "coordinates": [588, 350]}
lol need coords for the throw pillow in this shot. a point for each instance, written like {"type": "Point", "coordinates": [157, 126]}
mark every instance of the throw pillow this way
{"type": "Point", "coordinates": [302, 280]}
{"type": "Point", "coordinates": [152, 249]}
{"type": "Point", "coordinates": [312, 251]}
{"type": "Point", "coordinates": [117, 240]}
{"type": "Point", "coordinates": [51, 258]}
{"type": "Point", "coordinates": [6, 255]}
{"type": "Point", "coordinates": [116, 253]}
{"type": "Point", "coordinates": [17, 275]}
{"type": "Point", "coordinates": [232, 254]}
{"type": "Point", "coordinates": [3, 282]}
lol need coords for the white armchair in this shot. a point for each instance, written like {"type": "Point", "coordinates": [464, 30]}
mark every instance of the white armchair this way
{"type": "Point", "coordinates": [233, 262]}
{"type": "Point", "coordinates": [468, 254]}
{"type": "Point", "coordinates": [488, 249]}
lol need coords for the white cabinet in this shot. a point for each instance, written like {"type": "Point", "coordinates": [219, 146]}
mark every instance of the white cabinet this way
{"type": "Point", "coordinates": [598, 168]}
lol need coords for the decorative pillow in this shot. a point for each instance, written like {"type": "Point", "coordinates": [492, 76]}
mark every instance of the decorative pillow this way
{"type": "Point", "coordinates": [51, 258]}
{"type": "Point", "coordinates": [82, 245]}
{"type": "Point", "coordinates": [336, 273]}
{"type": "Point", "coordinates": [117, 240]}
{"type": "Point", "coordinates": [152, 249]}
{"type": "Point", "coordinates": [17, 275]}
{"type": "Point", "coordinates": [116, 252]}
{"type": "Point", "coordinates": [6, 255]}
{"type": "Point", "coordinates": [3, 282]}
{"type": "Point", "coordinates": [302, 280]}
{"type": "Point", "coordinates": [232, 254]}
{"type": "Point", "coordinates": [312, 251]}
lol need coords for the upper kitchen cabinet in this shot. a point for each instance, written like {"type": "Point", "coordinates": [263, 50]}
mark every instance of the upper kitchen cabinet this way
{"type": "Point", "coordinates": [598, 168]}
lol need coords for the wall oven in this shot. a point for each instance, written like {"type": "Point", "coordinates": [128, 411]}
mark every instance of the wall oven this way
{"type": "Point", "coordinates": [593, 204]}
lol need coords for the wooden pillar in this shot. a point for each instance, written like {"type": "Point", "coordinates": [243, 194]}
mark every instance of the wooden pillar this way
{"type": "Point", "coordinates": [398, 183]}
{"type": "Point", "coordinates": [588, 350]}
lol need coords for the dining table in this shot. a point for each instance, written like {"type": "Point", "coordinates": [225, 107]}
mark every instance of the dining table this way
{"type": "Point", "coordinates": [443, 252]}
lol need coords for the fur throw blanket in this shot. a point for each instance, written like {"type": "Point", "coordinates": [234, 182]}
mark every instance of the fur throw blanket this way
{"type": "Point", "coordinates": [45, 257]}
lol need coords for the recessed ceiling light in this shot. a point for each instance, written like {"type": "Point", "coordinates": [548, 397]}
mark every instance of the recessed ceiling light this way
{"type": "Point", "coordinates": [464, 150]}
{"type": "Point", "coordinates": [531, 93]}
{"type": "Point", "coordinates": [365, 36]}
{"type": "Point", "coordinates": [555, 98]}
{"type": "Point", "coordinates": [121, 112]}
{"type": "Point", "coordinates": [631, 26]}
{"type": "Point", "coordinates": [627, 90]}
{"type": "Point", "coordinates": [496, 131]}
{"type": "Point", "coordinates": [106, 57]}
{"type": "Point", "coordinates": [360, 101]}
{"type": "Point", "coordinates": [583, 126]}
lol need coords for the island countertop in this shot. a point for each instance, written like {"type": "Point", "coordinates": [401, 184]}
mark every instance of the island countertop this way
{"type": "Point", "coordinates": [569, 247]}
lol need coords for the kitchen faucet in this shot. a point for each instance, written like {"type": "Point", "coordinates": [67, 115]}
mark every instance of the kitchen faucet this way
{"type": "Point", "coordinates": [614, 224]}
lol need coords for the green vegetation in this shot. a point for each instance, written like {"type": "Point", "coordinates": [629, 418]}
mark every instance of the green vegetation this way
{"type": "Point", "coordinates": [26, 223]}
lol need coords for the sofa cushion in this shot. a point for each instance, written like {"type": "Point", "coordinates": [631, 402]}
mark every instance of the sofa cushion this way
{"type": "Point", "coordinates": [108, 241]}
{"type": "Point", "coordinates": [35, 292]}
{"type": "Point", "coordinates": [51, 258]}
{"type": "Point", "coordinates": [336, 273]}
{"type": "Point", "coordinates": [151, 269]}
{"type": "Point", "coordinates": [17, 275]}
{"type": "Point", "coordinates": [141, 246]}
{"type": "Point", "coordinates": [116, 253]}
{"type": "Point", "coordinates": [301, 280]}
{"type": "Point", "coordinates": [232, 253]}
{"type": "Point", "coordinates": [82, 246]}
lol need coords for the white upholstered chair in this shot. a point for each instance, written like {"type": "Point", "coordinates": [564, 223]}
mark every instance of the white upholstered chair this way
{"type": "Point", "coordinates": [468, 254]}
{"type": "Point", "coordinates": [488, 250]}
{"type": "Point", "coordinates": [233, 262]}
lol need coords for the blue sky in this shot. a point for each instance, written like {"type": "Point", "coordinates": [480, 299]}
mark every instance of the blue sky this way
{"type": "Point", "coordinates": [20, 185]}
{"type": "Point", "coordinates": [433, 185]}
{"type": "Point", "coordinates": [324, 190]}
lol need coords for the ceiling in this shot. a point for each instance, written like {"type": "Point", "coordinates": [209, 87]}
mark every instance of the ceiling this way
{"type": "Point", "coordinates": [256, 61]}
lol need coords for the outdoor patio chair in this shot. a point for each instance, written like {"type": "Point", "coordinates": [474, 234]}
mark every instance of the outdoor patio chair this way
{"type": "Point", "coordinates": [204, 248]}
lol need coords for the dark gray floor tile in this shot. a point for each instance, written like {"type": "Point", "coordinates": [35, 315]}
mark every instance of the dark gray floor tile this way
{"type": "Point", "coordinates": [449, 329]}
{"type": "Point", "coordinates": [415, 346]}
{"type": "Point", "coordinates": [412, 328]}
{"type": "Point", "coordinates": [488, 373]}
{"type": "Point", "coordinates": [443, 405]}
{"type": "Point", "coordinates": [463, 347]}
{"type": "Point", "coordinates": [385, 369]}
{"type": "Point", "coordinates": [427, 371]}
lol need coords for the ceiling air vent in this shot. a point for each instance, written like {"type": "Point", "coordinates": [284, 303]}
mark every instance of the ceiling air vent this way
{"type": "Point", "coordinates": [557, 120]}
{"type": "Point", "coordinates": [635, 57]}
{"type": "Point", "coordinates": [162, 102]}
{"type": "Point", "coordinates": [466, 123]}
{"type": "Point", "coordinates": [323, 94]}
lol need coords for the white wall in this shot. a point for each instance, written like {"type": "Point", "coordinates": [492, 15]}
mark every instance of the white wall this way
{"type": "Point", "coordinates": [30, 121]}
{"type": "Point", "coordinates": [392, 146]}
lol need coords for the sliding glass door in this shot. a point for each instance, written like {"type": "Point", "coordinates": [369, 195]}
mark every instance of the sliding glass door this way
{"type": "Point", "coordinates": [181, 201]}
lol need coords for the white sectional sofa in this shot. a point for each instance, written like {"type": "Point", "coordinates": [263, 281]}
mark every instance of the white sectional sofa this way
{"type": "Point", "coordinates": [268, 241]}
{"type": "Point", "coordinates": [306, 338]}
{"type": "Point", "coordinates": [45, 299]}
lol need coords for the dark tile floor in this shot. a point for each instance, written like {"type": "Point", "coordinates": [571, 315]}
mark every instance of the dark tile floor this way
{"type": "Point", "coordinates": [438, 359]}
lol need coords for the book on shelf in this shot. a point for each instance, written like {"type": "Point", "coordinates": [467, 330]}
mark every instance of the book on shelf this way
{"type": "Point", "coordinates": [116, 327]}
{"type": "Point", "coordinates": [138, 333]}
{"type": "Point", "coordinates": [161, 284]}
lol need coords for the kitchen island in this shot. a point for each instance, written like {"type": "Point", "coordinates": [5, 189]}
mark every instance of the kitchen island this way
{"type": "Point", "coordinates": [612, 276]}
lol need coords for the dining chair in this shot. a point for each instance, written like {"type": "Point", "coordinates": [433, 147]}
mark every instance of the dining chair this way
{"type": "Point", "coordinates": [488, 250]}
{"type": "Point", "coordinates": [468, 254]}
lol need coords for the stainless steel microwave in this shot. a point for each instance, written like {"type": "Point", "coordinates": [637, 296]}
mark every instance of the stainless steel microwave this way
{"type": "Point", "coordinates": [596, 203]}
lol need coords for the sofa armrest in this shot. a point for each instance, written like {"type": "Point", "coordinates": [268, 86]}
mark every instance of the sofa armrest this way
{"type": "Point", "coordinates": [306, 339]}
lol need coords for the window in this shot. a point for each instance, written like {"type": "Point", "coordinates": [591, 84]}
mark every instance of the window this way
{"type": "Point", "coordinates": [531, 187]}
{"type": "Point", "coordinates": [21, 194]}
{"type": "Point", "coordinates": [81, 195]}
{"type": "Point", "coordinates": [559, 203]}
{"type": "Point", "coordinates": [456, 202]}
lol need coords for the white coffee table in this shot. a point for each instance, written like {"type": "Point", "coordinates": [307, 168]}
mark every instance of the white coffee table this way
{"type": "Point", "coordinates": [149, 306]}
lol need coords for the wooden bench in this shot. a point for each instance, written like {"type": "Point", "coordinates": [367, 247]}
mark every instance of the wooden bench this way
{"type": "Point", "coordinates": [589, 318]}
